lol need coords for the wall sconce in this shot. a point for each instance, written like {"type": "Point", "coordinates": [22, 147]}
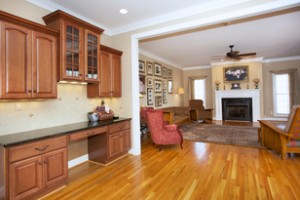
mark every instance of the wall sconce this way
{"type": "Point", "coordinates": [180, 91]}
{"type": "Point", "coordinates": [141, 96]}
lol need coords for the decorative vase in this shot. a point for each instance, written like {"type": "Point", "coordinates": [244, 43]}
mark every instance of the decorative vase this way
{"type": "Point", "coordinates": [256, 85]}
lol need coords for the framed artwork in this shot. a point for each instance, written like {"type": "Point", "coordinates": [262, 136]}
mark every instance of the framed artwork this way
{"type": "Point", "coordinates": [142, 81]}
{"type": "Point", "coordinates": [141, 66]}
{"type": "Point", "coordinates": [236, 74]}
{"type": "Point", "coordinates": [164, 84]}
{"type": "Point", "coordinates": [170, 74]}
{"type": "Point", "coordinates": [149, 68]}
{"type": "Point", "coordinates": [149, 82]}
{"type": "Point", "coordinates": [170, 86]}
{"type": "Point", "coordinates": [149, 96]}
{"type": "Point", "coordinates": [164, 72]}
{"type": "Point", "coordinates": [158, 101]}
{"type": "Point", "coordinates": [157, 69]}
{"type": "Point", "coordinates": [157, 86]}
{"type": "Point", "coordinates": [164, 96]}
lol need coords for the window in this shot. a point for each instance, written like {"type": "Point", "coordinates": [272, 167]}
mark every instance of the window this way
{"type": "Point", "coordinates": [281, 92]}
{"type": "Point", "coordinates": [199, 89]}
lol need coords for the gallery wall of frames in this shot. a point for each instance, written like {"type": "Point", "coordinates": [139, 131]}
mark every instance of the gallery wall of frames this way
{"type": "Point", "coordinates": [155, 82]}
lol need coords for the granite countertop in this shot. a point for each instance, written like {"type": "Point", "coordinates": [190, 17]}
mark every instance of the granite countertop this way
{"type": "Point", "coordinates": [29, 136]}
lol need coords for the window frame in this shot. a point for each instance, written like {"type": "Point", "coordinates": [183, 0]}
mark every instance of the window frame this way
{"type": "Point", "coordinates": [275, 103]}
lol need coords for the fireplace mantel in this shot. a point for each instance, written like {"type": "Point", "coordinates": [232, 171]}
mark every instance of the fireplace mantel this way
{"type": "Point", "coordinates": [254, 94]}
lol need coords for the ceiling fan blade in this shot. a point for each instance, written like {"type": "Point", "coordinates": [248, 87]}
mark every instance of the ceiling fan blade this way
{"type": "Point", "coordinates": [247, 54]}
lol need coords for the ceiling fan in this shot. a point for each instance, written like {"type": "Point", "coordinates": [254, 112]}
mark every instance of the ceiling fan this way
{"type": "Point", "coordinates": [236, 54]}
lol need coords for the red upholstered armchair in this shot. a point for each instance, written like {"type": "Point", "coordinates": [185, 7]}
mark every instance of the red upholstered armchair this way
{"type": "Point", "coordinates": [162, 134]}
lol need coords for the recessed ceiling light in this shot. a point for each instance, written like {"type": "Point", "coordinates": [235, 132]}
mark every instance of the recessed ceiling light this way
{"type": "Point", "coordinates": [123, 11]}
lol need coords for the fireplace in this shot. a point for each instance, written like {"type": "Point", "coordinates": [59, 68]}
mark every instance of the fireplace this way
{"type": "Point", "coordinates": [236, 94]}
{"type": "Point", "coordinates": [239, 109]}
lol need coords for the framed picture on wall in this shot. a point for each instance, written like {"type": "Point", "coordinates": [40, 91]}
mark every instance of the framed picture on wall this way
{"type": "Point", "coordinates": [170, 74]}
{"type": "Point", "coordinates": [157, 86]}
{"type": "Point", "coordinates": [149, 68]}
{"type": "Point", "coordinates": [164, 96]}
{"type": "Point", "coordinates": [170, 86]}
{"type": "Point", "coordinates": [149, 96]}
{"type": "Point", "coordinates": [158, 101]}
{"type": "Point", "coordinates": [142, 84]}
{"type": "Point", "coordinates": [142, 66]}
{"type": "Point", "coordinates": [164, 72]}
{"type": "Point", "coordinates": [164, 84]}
{"type": "Point", "coordinates": [157, 69]}
{"type": "Point", "coordinates": [236, 74]}
{"type": "Point", "coordinates": [149, 82]}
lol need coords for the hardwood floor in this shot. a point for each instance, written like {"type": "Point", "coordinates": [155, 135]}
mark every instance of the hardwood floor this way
{"type": "Point", "coordinates": [198, 171]}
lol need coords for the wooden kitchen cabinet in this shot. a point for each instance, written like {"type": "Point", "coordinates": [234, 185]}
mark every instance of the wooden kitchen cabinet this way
{"type": "Point", "coordinates": [79, 47]}
{"type": "Point", "coordinates": [115, 143]}
{"type": "Point", "coordinates": [47, 168]}
{"type": "Point", "coordinates": [28, 60]}
{"type": "Point", "coordinates": [110, 74]}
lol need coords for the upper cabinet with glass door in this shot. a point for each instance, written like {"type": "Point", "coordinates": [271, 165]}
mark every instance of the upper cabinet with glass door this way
{"type": "Point", "coordinates": [79, 47]}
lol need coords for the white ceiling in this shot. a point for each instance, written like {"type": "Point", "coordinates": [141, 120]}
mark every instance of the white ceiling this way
{"type": "Point", "coordinates": [270, 37]}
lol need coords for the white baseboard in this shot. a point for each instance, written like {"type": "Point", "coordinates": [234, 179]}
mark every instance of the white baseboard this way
{"type": "Point", "coordinates": [77, 161]}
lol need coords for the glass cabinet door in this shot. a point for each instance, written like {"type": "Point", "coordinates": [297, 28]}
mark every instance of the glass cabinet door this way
{"type": "Point", "coordinates": [92, 57]}
{"type": "Point", "coordinates": [72, 52]}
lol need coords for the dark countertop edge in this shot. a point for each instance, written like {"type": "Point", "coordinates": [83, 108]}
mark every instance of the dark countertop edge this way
{"type": "Point", "coordinates": [55, 134]}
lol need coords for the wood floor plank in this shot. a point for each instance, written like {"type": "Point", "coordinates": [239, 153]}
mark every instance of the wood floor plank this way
{"type": "Point", "coordinates": [198, 171]}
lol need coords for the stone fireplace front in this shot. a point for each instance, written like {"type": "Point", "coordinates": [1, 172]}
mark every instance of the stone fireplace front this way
{"type": "Point", "coordinates": [241, 105]}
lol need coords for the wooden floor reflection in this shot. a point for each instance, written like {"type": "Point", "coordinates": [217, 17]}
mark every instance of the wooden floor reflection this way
{"type": "Point", "coordinates": [198, 171]}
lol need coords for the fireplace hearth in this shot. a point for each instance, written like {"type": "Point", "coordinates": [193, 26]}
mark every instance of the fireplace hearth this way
{"type": "Point", "coordinates": [239, 109]}
{"type": "Point", "coordinates": [237, 94]}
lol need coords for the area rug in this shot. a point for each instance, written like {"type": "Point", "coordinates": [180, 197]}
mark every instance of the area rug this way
{"type": "Point", "coordinates": [223, 134]}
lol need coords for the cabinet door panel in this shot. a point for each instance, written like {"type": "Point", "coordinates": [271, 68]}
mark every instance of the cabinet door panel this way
{"type": "Point", "coordinates": [55, 167]}
{"type": "Point", "coordinates": [92, 63]}
{"type": "Point", "coordinates": [72, 60]}
{"type": "Point", "coordinates": [45, 63]}
{"type": "Point", "coordinates": [25, 177]}
{"type": "Point", "coordinates": [105, 74]}
{"type": "Point", "coordinates": [115, 145]}
{"type": "Point", "coordinates": [15, 61]}
{"type": "Point", "coordinates": [126, 141]}
{"type": "Point", "coordinates": [116, 76]}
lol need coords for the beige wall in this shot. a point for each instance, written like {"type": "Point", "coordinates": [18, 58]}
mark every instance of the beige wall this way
{"type": "Point", "coordinates": [173, 99]}
{"type": "Point", "coordinates": [199, 72]}
{"type": "Point", "coordinates": [268, 87]}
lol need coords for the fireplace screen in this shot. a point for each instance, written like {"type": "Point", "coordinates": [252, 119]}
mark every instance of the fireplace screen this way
{"type": "Point", "coordinates": [239, 109]}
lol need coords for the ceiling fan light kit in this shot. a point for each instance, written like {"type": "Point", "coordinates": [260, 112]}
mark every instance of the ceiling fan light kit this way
{"type": "Point", "coordinates": [236, 54]}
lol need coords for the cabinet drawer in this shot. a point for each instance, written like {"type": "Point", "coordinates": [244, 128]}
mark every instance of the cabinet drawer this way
{"type": "Point", "coordinates": [87, 133]}
{"type": "Point", "coordinates": [119, 126]}
{"type": "Point", "coordinates": [35, 148]}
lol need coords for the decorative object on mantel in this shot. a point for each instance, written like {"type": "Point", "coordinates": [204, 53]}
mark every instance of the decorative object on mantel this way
{"type": "Point", "coordinates": [217, 82]}
{"type": "Point", "coordinates": [256, 82]}
{"type": "Point", "coordinates": [235, 86]}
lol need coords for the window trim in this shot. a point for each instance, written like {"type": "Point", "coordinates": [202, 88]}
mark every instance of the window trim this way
{"type": "Point", "coordinates": [275, 113]}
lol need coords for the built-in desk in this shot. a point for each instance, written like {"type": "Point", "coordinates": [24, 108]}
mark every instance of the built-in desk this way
{"type": "Point", "coordinates": [33, 163]}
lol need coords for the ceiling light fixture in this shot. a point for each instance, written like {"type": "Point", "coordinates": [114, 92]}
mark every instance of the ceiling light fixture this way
{"type": "Point", "coordinates": [123, 11]}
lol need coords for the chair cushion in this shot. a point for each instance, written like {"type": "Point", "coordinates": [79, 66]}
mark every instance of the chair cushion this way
{"type": "Point", "coordinates": [291, 117]}
{"type": "Point", "coordinates": [293, 143]}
